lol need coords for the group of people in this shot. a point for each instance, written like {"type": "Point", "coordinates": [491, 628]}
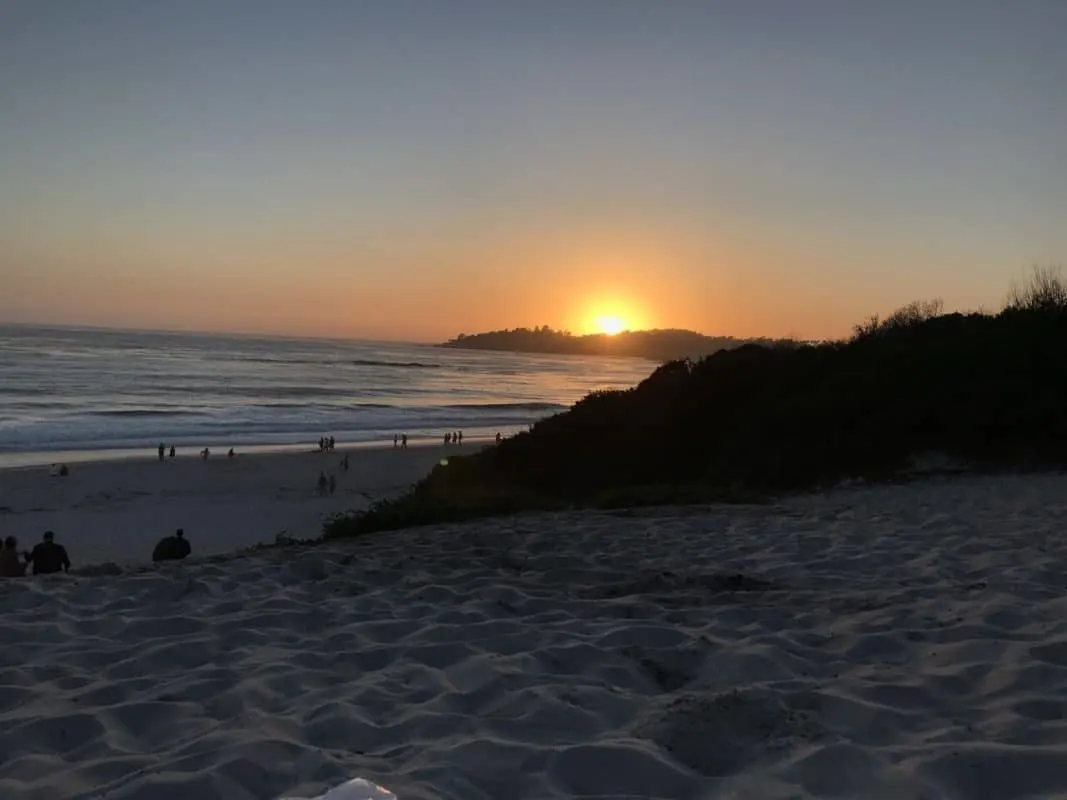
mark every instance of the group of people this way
{"type": "Point", "coordinates": [327, 444]}
{"type": "Point", "coordinates": [46, 558]}
{"type": "Point", "coordinates": [205, 453]}
{"type": "Point", "coordinates": [454, 438]}
{"type": "Point", "coordinates": [400, 440]}
{"type": "Point", "coordinates": [49, 558]}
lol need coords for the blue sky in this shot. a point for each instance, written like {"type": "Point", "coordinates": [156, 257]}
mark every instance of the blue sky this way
{"type": "Point", "coordinates": [412, 169]}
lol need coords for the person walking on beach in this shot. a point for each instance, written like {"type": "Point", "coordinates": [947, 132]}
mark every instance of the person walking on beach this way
{"type": "Point", "coordinates": [11, 565]}
{"type": "Point", "coordinates": [459, 437]}
{"type": "Point", "coordinates": [396, 439]}
{"type": "Point", "coordinates": [162, 450]}
{"type": "Point", "coordinates": [172, 451]}
{"type": "Point", "coordinates": [403, 440]}
{"type": "Point", "coordinates": [172, 548]}
{"type": "Point", "coordinates": [48, 557]}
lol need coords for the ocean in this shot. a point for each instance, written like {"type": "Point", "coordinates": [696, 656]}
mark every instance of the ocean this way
{"type": "Point", "coordinates": [72, 394]}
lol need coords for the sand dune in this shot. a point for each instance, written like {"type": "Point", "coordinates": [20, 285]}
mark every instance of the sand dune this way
{"type": "Point", "coordinates": [117, 510]}
{"type": "Point", "coordinates": [895, 642]}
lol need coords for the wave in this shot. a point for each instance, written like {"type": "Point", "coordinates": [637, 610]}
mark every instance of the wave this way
{"type": "Point", "coordinates": [135, 413]}
{"type": "Point", "coordinates": [508, 406]}
{"type": "Point", "coordinates": [334, 362]}
{"type": "Point", "coordinates": [368, 362]}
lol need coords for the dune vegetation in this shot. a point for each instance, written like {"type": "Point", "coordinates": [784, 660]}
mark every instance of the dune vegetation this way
{"type": "Point", "coordinates": [988, 390]}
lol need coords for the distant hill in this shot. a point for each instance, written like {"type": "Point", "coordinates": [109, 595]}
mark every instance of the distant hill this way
{"type": "Point", "coordinates": [656, 345]}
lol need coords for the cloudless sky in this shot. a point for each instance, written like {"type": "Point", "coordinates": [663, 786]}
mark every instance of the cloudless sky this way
{"type": "Point", "coordinates": [412, 169]}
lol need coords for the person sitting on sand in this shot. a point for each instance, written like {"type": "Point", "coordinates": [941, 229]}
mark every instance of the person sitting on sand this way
{"type": "Point", "coordinates": [11, 565]}
{"type": "Point", "coordinates": [48, 557]}
{"type": "Point", "coordinates": [172, 548]}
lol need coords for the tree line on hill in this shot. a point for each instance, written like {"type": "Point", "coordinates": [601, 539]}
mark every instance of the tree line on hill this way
{"type": "Point", "coordinates": [985, 389]}
{"type": "Point", "coordinates": [657, 345]}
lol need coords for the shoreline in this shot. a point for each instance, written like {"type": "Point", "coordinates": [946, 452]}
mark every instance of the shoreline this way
{"type": "Point", "coordinates": [37, 459]}
{"type": "Point", "coordinates": [114, 511]}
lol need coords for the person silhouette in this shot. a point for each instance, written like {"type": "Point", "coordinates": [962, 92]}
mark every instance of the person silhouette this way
{"type": "Point", "coordinates": [162, 450]}
{"type": "Point", "coordinates": [10, 564]}
{"type": "Point", "coordinates": [403, 440]}
{"type": "Point", "coordinates": [48, 557]}
{"type": "Point", "coordinates": [172, 548]}
{"type": "Point", "coordinates": [172, 451]}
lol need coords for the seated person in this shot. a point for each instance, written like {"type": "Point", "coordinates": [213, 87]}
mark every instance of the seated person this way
{"type": "Point", "coordinates": [11, 565]}
{"type": "Point", "coordinates": [48, 557]}
{"type": "Point", "coordinates": [172, 548]}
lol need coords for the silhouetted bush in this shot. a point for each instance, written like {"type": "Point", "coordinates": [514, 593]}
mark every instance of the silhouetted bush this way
{"type": "Point", "coordinates": [1046, 290]}
{"type": "Point", "coordinates": [753, 421]}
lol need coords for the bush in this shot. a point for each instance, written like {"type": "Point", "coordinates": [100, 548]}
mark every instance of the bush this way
{"type": "Point", "coordinates": [1046, 290]}
{"type": "Point", "coordinates": [756, 421]}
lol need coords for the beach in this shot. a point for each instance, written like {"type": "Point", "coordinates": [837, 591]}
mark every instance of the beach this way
{"type": "Point", "coordinates": [904, 641]}
{"type": "Point", "coordinates": [116, 511]}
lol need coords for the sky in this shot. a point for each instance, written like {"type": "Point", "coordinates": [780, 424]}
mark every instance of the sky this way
{"type": "Point", "coordinates": [407, 169]}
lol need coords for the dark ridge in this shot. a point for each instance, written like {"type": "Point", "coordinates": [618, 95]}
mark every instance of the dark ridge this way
{"type": "Point", "coordinates": [656, 345]}
{"type": "Point", "coordinates": [985, 390]}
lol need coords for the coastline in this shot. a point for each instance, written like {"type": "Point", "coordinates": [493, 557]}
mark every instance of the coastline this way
{"type": "Point", "coordinates": [115, 510]}
{"type": "Point", "coordinates": [35, 459]}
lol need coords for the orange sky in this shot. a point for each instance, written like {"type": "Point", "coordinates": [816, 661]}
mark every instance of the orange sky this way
{"type": "Point", "coordinates": [412, 171]}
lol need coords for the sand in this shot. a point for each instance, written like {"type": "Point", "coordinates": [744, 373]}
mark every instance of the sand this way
{"type": "Point", "coordinates": [117, 510]}
{"type": "Point", "coordinates": [895, 642]}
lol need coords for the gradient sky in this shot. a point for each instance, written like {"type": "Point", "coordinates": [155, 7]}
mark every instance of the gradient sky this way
{"type": "Point", "coordinates": [410, 170]}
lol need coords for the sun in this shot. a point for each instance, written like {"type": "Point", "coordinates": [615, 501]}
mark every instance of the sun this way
{"type": "Point", "coordinates": [610, 325]}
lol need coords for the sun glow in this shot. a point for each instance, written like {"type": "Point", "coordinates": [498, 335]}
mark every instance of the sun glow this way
{"type": "Point", "coordinates": [610, 325]}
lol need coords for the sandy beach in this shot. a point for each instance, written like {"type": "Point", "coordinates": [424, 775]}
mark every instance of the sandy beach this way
{"type": "Point", "coordinates": [890, 642]}
{"type": "Point", "coordinates": [115, 511]}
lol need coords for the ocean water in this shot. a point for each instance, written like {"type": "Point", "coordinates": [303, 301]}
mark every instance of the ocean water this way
{"type": "Point", "coordinates": [76, 391]}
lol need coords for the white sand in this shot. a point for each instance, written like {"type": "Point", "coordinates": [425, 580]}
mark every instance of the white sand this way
{"type": "Point", "coordinates": [911, 643]}
{"type": "Point", "coordinates": [118, 510]}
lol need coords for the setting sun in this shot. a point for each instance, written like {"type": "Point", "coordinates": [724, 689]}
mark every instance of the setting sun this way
{"type": "Point", "coordinates": [610, 325]}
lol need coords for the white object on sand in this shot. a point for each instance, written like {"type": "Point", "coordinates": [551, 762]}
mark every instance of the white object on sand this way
{"type": "Point", "coordinates": [355, 789]}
